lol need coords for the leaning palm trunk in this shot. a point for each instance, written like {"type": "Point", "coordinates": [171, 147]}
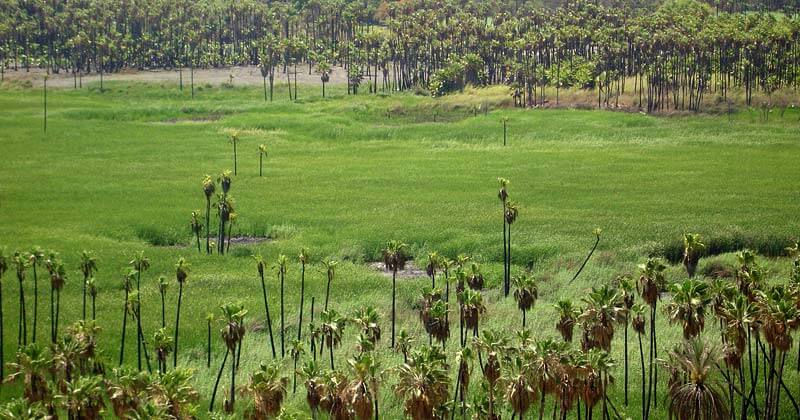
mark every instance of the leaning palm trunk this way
{"type": "Point", "coordinates": [124, 325]}
{"type": "Point", "coordinates": [22, 333]}
{"type": "Point", "coordinates": [177, 324]}
{"type": "Point", "coordinates": [35, 300]}
{"type": "Point", "coordinates": [269, 320]}
{"type": "Point", "coordinates": [644, 380]}
{"type": "Point", "coordinates": [302, 297]}
{"type": "Point", "coordinates": [216, 383]}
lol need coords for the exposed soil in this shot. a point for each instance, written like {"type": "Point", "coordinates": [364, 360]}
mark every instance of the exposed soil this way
{"type": "Point", "coordinates": [244, 75]}
{"type": "Point", "coordinates": [248, 240]}
{"type": "Point", "coordinates": [411, 271]}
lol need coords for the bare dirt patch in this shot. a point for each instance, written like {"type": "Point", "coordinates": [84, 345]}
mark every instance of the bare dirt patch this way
{"type": "Point", "coordinates": [242, 75]}
{"type": "Point", "coordinates": [411, 271]}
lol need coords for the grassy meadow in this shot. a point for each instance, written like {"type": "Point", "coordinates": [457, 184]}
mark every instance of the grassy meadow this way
{"type": "Point", "coordinates": [120, 171]}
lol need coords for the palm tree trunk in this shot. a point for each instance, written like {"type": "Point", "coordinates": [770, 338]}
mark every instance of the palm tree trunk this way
{"type": "Point", "coordinates": [230, 229]}
{"type": "Point", "coordinates": [505, 253]}
{"type": "Point", "coordinates": [234, 366]}
{"type": "Point", "coordinates": [163, 311]}
{"type": "Point", "coordinates": [302, 298]}
{"type": "Point", "coordinates": [2, 335]}
{"type": "Point", "coordinates": [625, 352]}
{"type": "Point", "coordinates": [84, 297]}
{"type": "Point", "coordinates": [269, 321]}
{"type": "Point", "coordinates": [330, 350]}
{"type": "Point", "coordinates": [52, 316]}
{"type": "Point", "coordinates": [651, 360]}
{"type": "Point", "coordinates": [261, 155]}
{"type": "Point", "coordinates": [455, 393]}
{"type": "Point", "coordinates": [541, 403]}
{"type": "Point", "coordinates": [208, 344]}
{"type": "Point", "coordinates": [22, 336]}
{"type": "Point", "coordinates": [283, 326]}
{"type": "Point", "coordinates": [508, 262]}
{"type": "Point", "coordinates": [221, 234]}
{"type": "Point", "coordinates": [234, 158]}
{"type": "Point", "coordinates": [177, 324]}
{"type": "Point", "coordinates": [94, 310]}
{"type": "Point", "coordinates": [265, 88]}
{"type": "Point", "coordinates": [35, 301]}
{"type": "Point", "coordinates": [58, 310]}
{"type": "Point", "coordinates": [644, 381]}
{"type": "Point", "coordinates": [216, 383]}
{"type": "Point", "coordinates": [327, 291]}
{"type": "Point", "coordinates": [208, 225]}
{"type": "Point", "coordinates": [124, 325]}
{"type": "Point", "coordinates": [394, 297]}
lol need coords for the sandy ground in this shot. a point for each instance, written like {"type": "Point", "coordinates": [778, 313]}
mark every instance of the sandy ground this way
{"type": "Point", "coordinates": [248, 75]}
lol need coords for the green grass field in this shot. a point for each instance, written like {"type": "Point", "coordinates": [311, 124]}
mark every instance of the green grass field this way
{"type": "Point", "coordinates": [119, 172]}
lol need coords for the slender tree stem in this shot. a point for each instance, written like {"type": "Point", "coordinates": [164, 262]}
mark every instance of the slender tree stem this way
{"type": "Point", "coordinates": [124, 324]}
{"type": "Point", "coordinates": [269, 320]}
{"type": "Point", "coordinates": [177, 325]}
{"type": "Point", "coordinates": [302, 298]}
{"type": "Point", "coordinates": [216, 383]}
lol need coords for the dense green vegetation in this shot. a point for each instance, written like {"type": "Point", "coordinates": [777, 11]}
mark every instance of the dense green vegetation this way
{"type": "Point", "coordinates": [121, 171]}
{"type": "Point", "coordinates": [676, 54]}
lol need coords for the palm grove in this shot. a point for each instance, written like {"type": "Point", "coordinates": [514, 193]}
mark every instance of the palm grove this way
{"type": "Point", "coordinates": [680, 54]}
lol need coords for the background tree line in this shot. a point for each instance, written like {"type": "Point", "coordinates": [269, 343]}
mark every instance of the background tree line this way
{"type": "Point", "coordinates": [671, 55]}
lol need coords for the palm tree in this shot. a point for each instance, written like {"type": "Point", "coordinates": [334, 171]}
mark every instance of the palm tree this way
{"type": "Point", "coordinates": [36, 258]}
{"type": "Point", "coordinates": [162, 346]}
{"type": "Point", "coordinates": [627, 289]}
{"type": "Point", "coordinates": [232, 332]}
{"type": "Point", "coordinates": [465, 358]}
{"type": "Point", "coordinates": [526, 293]}
{"type": "Point", "coordinates": [433, 264]}
{"type": "Point", "coordinates": [330, 331]}
{"type": "Point", "coordinates": [475, 277]}
{"type": "Point", "coordinates": [31, 365]}
{"type": "Point", "coordinates": [598, 319]}
{"type": "Point", "coordinates": [324, 70]}
{"type": "Point", "coordinates": [181, 274]}
{"type": "Point", "coordinates": [598, 365]}
{"type": "Point", "coordinates": [209, 321]}
{"type": "Point", "coordinates": [92, 288]}
{"type": "Point", "coordinates": [423, 383]}
{"type": "Point", "coordinates": [135, 308]}
{"type": "Point", "coordinates": [296, 349]}
{"type": "Point", "coordinates": [405, 342]}
{"type": "Point", "coordinates": [692, 248]}
{"type": "Point", "coordinates": [688, 306]}
{"type": "Point", "coordinates": [225, 210]}
{"type": "Point", "coordinates": [362, 391]}
{"type": "Point", "coordinates": [88, 266]}
{"type": "Point", "coordinates": [737, 315]}
{"type": "Point", "coordinates": [140, 263]}
{"type": "Point", "coordinates": [394, 258]}
{"type": "Point", "coordinates": [471, 310]}
{"type": "Point", "coordinates": [779, 317]}
{"type": "Point", "coordinates": [496, 347]}
{"type": "Point", "coordinates": [638, 324]}
{"type": "Point", "coordinates": [163, 286]}
{"type": "Point", "coordinates": [503, 196]}
{"type": "Point", "coordinates": [267, 388]}
{"type": "Point", "coordinates": [697, 395]}
{"type": "Point", "coordinates": [262, 153]}
{"type": "Point", "coordinates": [260, 264]}
{"type": "Point", "coordinates": [282, 261]}
{"type": "Point", "coordinates": [127, 286]}
{"type": "Point", "coordinates": [21, 262]}
{"type": "Point", "coordinates": [568, 316]}
{"type": "Point", "coordinates": [511, 213]}
{"type": "Point", "coordinates": [304, 258]}
{"type": "Point", "coordinates": [315, 385]}
{"type": "Point", "coordinates": [84, 398]}
{"type": "Point", "coordinates": [3, 269]}
{"type": "Point", "coordinates": [234, 139]}
{"type": "Point", "coordinates": [368, 321]}
{"type": "Point", "coordinates": [330, 271]}
{"type": "Point", "coordinates": [651, 282]}
{"type": "Point", "coordinates": [596, 232]}
{"type": "Point", "coordinates": [197, 227]}
{"type": "Point", "coordinates": [209, 188]}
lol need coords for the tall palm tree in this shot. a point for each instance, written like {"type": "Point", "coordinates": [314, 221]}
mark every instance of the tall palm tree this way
{"type": "Point", "coordinates": [692, 249]}
{"type": "Point", "coordinates": [596, 232]}
{"type": "Point", "coordinates": [262, 153]}
{"type": "Point", "coordinates": [181, 274]}
{"type": "Point", "coordinates": [502, 194]}
{"type": "Point", "coordinates": [697, 395]}
{"type": "Point", "coordinates": [394, 258]}
{"type": "Point", "coordinates": [737, 315]}
{"type": "Point", "coordinates": [303, 258]}
{"type": "Point", "coordinates": [3, 269]}
{"type": "Point", "coordinates": [135, 308]}
{"type": "Point", "coordinates": [260, 264]}
{"type": "Point", "coordinates": [627, 290]}
{"type": "Point", "coordinates": [651, 283]}
{"type": "Point", "coordinates": [233, 138]}
{"type": "Point", "coordinates": [91, 286]}
{"type": "Point", "coordinates": [598, 366]}
{"type": "Point", "coordinates": [779, 317]}
{"type": "Point", "coordinates": [163, 286]}
{"type": "Point", "coordinates": [496, 347]}
{"type": "Point", "coordinates": [21, 263]}
{"type": "Point", "coordinates": [140, 263]}
{"type": "Point", "coordinates": [282, 261]}
{"type": "Point", "coordinates": [405, 342]}
{"type": "Point", "coordinates": [127, 286]}
{"type": "Point", "coordinates": [688, 306]}
{"type": "Point", "coordinates": [209, 321]}
{"type": "Point", "coordinates": [267, 388]}
{"type": "Point", "coordinates": [88, 266]}
{"type": "Point", "coordinates": [464, 358]}
{"type": "Point", "coordinates": [434, 261]}
{"type": "Point", "coordinates": [209, 188]}
{"type": "Point", "coordinates": [330, 273]}
{"type": "Point", "coordinates": [423, 383]}
{"type": "Point", "coordinates": [197, 227]}
{"type": "Point", "coordinates": [232, 332]}
{"type": "Point", "coordinates": [36, 257]}
{"type": "Point", "coordinates": [472, 308]}
{"type": "Point", "coordinates": [526, 293]}
{"type": "Point", "coordinates": [567, 317]}
{"type": "Point", "coordinates": [511, 213]}
{"type": "Point", "coordinates": [225, 209]}
{"type": "Point", "coordinates": [162, 346]}
{"type": "Point", "coordinates": [296, 349]}
{"type": "Point", "coordinates": [638, 325]}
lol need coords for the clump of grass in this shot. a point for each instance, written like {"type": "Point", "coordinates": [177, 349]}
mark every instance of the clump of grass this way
{"type": "Point", "coordinates": [717, 269]}
{"type": "Point", "coordinates": [158, 236]}
{"type": "Point", "coordinates": [769, 245]}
